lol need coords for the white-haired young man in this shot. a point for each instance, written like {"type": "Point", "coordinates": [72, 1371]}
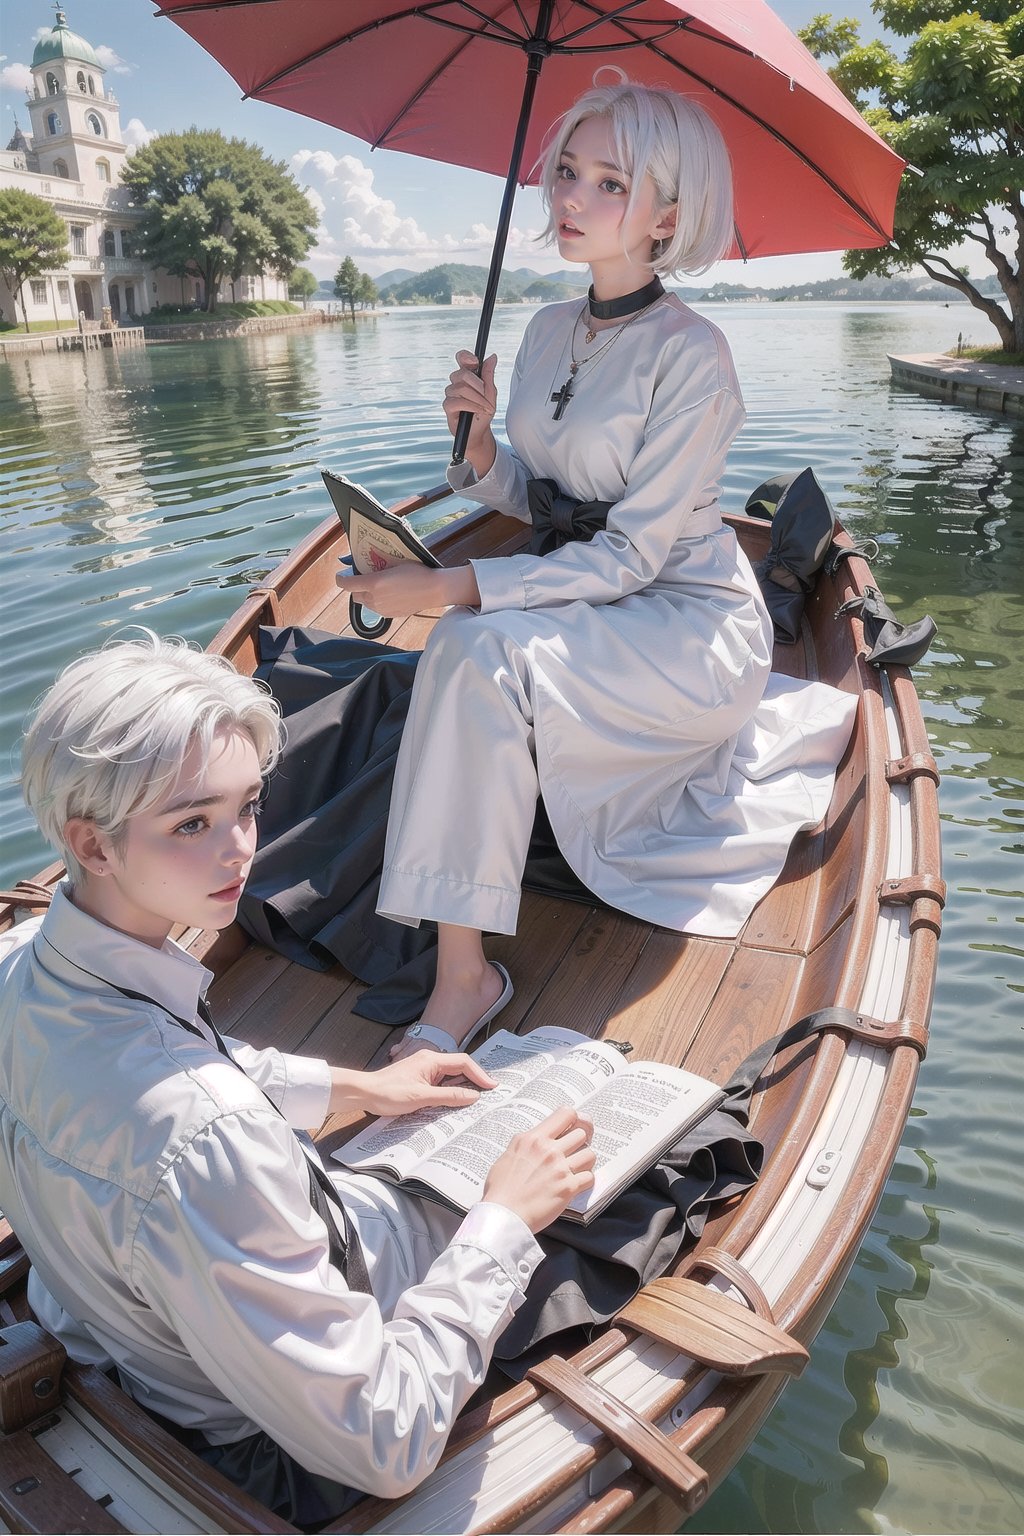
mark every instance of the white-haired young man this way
{"type": "Point", "coordinates": [180, 1230]}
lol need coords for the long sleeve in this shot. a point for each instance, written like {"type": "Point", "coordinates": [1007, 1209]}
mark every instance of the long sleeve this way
{"type": "Point", "coordinates": [244, 1280]}
{"type": "Point", "coordinates": [650, 436]}
{"type": "Point", "coordinates": [661, 506]}
{"type": "Point", "coordinates": [300, 1086]}
{"type": "Point", "coordinates": [504, 485]}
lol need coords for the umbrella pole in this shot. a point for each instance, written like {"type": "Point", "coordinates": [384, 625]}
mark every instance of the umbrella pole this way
{"type": "Point", "coordinates": [537, 51]}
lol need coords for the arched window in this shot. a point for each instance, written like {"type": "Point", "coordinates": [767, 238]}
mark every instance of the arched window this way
{"type": "Point", "coordinates": [52, 83]}
{"type": "Point", "coordinates": [109, 245]}
{"type": "Point", "coordinates": [81, 81]}
{"type": "Point", "coordinates": [92, 86]}
{"type": "Point", "coordinates": [53, 123]}
{"type": "Point", "coordinates": [127, 248]}
{"type": "Point", "coordinates": [103, 170]}
{"type": "Point", "coordinates": [60, 168]}
{"type": "Point", "coordinates": [94, 123]}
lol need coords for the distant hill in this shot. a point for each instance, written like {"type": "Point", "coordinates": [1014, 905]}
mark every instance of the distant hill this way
{"type": "Point", "coordinates": [446, 283]}
{"type": "Point", "coordinates": [395, 276]}
{"type": "Point", "coordinates": [454, 281]}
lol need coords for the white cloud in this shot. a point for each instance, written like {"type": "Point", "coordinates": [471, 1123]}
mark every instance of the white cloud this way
{"type": "Point", "coordinates": [16, 77]}
{"type": "Point", "coordinates": [136, 134]}
{"type": "Point", "coordinates": [356, 221]}
{"type": "Point", "coordinates": [112, 61]}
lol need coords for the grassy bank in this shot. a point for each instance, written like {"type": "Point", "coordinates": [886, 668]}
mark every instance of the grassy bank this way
{"type": "Point", "coordinates": [989, 355]}
{"type": "Point", "coordinates": [170, 314]}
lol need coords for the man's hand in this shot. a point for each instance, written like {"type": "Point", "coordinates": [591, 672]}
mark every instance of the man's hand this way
{"type": "Point", "coordinates": [416, 1082]}
{"type": "Point", "coordinates": [542, 1170]}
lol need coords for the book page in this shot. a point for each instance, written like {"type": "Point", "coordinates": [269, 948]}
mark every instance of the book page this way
{"type": "Point", "coordinates": [637, 1115]}
{"type": "Point", "coordinates": [563, 1075]}
{"type": "Point", "coordinates": [401, 1145]}
{"type": "Point", "coordinates": [374, 548]}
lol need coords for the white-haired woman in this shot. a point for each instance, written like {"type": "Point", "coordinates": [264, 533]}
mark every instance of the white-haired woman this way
{"type": "Point", "coordinates": [622, 668]}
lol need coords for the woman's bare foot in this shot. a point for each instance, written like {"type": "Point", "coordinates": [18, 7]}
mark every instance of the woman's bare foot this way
{"type": "Point", "coordinates": [456, 1005]}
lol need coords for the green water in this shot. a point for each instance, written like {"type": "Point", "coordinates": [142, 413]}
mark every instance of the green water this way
{"type": "Point", "coordinates": [156, 487]}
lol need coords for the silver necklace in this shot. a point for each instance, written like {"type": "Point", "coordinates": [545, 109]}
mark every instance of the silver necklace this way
{"type": "Point", "coordinates": [561, 397]}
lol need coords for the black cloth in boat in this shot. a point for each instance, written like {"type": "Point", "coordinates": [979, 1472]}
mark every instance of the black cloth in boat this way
{"type": "Point", "coordinates": [312, 892]}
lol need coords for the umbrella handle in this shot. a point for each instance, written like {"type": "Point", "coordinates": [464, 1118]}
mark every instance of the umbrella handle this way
{"type": "Point", "coordinates": [536, 54]}
{"type": "Point", "coordinates": [364, 630]}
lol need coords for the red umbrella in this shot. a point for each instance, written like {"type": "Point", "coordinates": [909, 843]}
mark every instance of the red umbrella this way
{"type": "Point", "coordinates": [440, 78]}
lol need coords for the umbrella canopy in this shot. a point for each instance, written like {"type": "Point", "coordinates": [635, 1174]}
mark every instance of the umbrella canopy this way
{"type": "Point", "coordinates": [444, 79]}
{"type": "Point", "coordinates": [478, 82]}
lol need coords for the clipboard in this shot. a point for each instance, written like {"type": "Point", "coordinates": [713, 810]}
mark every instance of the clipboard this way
{"type": "Point", "coordinates": [377, 539]}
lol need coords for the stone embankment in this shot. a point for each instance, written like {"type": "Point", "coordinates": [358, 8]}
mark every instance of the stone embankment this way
{"type": "Point", "coordinates": [119, 338]}
{"type": "Point", "coordinates": [960, 381]}
{"type": "Point", "coordinates": [211, 329]}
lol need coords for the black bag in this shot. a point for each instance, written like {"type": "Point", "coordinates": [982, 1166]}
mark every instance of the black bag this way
{"type": "Point", "coordinates": [803, 525]}
{"type": "Point", "coordinates": [893, 644]}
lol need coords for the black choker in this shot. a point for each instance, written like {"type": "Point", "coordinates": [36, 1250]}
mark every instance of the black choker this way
{"type": "Point", "coordinates": [616, 309]}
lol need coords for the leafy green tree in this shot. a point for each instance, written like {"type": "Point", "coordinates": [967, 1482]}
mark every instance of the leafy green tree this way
{"type": "Point", "coordinates": [346, 283]}
{"type": "Point", "coordinates": [217, 207]}
{"type": "Point", "coordinates": [953, 106]}
{"type": "Point", "coordinates": [368, 294]}
{"type": "Point", "coordinates": [33, 240]}
{"type": "Point", "coordinates": [302, 284]}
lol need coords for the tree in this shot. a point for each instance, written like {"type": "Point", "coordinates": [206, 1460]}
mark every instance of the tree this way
{"type": "Point", "coordinates": [33, 240]}
{"type": "Point", "coordinates": [346, 283]}
{"type": "Point", "coordinates": [368, 294]}
{"type": "Point", "coordinates": [954, 108]}
{"type": "Point", "coordinates": [302, 284]}
{"type": "Point", "coordinates": [218, 208]}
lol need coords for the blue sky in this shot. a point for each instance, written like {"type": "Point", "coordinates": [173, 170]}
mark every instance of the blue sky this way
{"type": "Point", "coordinates": [385, 209]}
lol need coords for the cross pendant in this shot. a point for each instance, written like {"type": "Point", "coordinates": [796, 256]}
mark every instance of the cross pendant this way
{"type": "Point", "coordinates": [560, 400]}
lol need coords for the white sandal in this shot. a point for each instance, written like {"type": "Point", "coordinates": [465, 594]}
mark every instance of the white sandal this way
{"type": "Point", "coordinates": [429, 1034]}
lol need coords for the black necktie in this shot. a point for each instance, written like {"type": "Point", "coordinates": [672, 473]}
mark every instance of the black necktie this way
{"type": "Point", "coordinates": [346, 1254]}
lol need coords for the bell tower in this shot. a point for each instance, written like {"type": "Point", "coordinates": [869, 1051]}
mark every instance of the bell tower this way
{"type": "Point", "coordinates": [76, 126]}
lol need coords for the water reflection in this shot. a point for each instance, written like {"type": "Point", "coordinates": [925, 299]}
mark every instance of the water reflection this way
{"type": "Point", "coordinates": [822, 1461]}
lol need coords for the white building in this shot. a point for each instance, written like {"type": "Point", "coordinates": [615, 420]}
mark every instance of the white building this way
{"type": "Point", "coordinates": [72, 158]}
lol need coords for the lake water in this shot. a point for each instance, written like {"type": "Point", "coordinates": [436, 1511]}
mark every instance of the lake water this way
{"type": "Point", "coordinates": [154, 487]}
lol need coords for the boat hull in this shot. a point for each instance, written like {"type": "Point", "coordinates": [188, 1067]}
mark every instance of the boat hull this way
{"type": "Point", "coordinates": [853, 923]}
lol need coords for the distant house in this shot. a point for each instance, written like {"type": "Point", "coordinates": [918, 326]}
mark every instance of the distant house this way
{"type": "Point", "coordinates": [72, 158]}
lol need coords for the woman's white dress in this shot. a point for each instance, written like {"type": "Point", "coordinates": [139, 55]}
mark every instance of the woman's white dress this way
{"type": "Point", "coordinates": [629, 675]}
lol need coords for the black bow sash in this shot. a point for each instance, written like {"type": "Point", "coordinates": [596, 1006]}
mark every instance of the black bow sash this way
{"type": "Point", "coordinates": [559, 520]}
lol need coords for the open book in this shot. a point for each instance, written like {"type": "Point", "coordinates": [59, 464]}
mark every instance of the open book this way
{"type": "Point", "coordinates": [377, 538]}
{"type": "Point", "coordinates": [639, 1108]}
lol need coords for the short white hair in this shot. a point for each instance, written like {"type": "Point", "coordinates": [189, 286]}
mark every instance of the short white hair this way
{"type": "Point", "coordinates": [665, 136]}
{"type": "Point", "coordinates": [109, 739]}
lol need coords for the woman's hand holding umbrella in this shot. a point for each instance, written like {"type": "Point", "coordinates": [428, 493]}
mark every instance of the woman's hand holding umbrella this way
{"type": "Point", "coordinates": [474, 392]}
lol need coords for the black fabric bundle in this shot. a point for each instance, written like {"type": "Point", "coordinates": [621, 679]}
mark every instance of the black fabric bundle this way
{"type": "Point", "coordinates": [312, 892]}
{"type": "Point", "coordinates": [803, 524]}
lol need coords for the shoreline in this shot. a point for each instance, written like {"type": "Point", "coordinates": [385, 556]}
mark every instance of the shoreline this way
{"type": "Point", "coordinates": [961, 381]}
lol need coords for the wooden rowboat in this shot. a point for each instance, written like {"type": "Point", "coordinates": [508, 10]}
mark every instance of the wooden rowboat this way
{"type": "Point", "coordinates": [631, 1433]}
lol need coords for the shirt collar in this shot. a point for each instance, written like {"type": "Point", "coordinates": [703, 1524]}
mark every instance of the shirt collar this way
{"type": "Point", "coordinates": [82, 949]}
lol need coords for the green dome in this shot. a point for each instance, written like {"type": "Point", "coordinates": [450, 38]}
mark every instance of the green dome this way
{"type": "Point", "coordinates": [62, 43]}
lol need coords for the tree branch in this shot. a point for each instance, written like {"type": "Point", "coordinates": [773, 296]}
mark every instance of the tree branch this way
{"type": "Point", "coordinates": [989, 308]}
